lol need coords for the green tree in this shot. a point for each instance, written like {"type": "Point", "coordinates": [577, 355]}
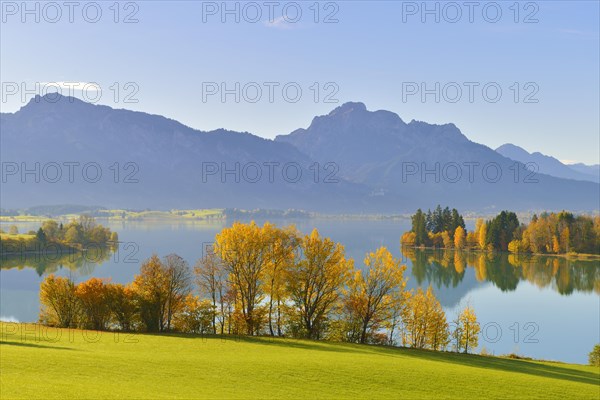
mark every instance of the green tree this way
{"type": "Point", "coordinates": [41, 236]}
{"type": "Point", "coordinates": [594, 357]}
{"type": "Point", "coordinates": [51, 229]}
{"type": "Point", "coordinates": [419, 228]}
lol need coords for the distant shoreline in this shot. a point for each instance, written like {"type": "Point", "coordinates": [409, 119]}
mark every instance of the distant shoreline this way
{"type": "Point", "coordinates": [580, 256]}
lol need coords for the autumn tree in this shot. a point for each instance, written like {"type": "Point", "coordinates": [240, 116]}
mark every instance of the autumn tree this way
{"type": "Point", "coordinates": [394, 320]}
{"type": "Point", "coordinates": [370, 295]}
{"type": "Point", "coordinates": [151, 287]}
{"type": "Point", "coordinates": [469, 329]}
{"type": "Point", "coordinates": [211, 278]}
{"type": "Point", "coordinates": [60, 305]}
{"type": "Point", "coordinates": [459, 238]}
{"type": "Point", "coordinates": [447, 240]}
{"type": "Point", "coordinates": [472, 241]}
{"type": "Point", "coordinates": [438, 334]}
{"type": "Point", "coordinates": [283, 243]}
{"type": "Point", "coordinates": [228, 302]}
{"type": "Point", "coordinates": [481, 233]}
{"type": "Point", "coordinates": [424, 321]}
{"type": "Point", "coordinates": [555, 245]}
{"type": "Point", "coordinates": [244, 252]}
{"type": "Point", "coordinates": [94, 298]}
{"type": "Point", "coordinates": [565, 239]}
{"type": "Point", "coordinates": [178, 285]}
{"type": "Point", "coordinates": [408, 239]}
{"type": "Point", "coordinates": [123, 305]}
{"type": "Point", "coordinates": [196, 315]}
{"type": "Point", "coordinates": [315, 282]}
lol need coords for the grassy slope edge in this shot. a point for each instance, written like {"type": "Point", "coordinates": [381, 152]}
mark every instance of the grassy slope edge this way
{"type": "Point", "coordinates": [108, 365]}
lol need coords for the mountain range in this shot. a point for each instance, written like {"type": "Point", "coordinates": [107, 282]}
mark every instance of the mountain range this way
{"type": "Point", "coordinates": [550, 165]}
{"type": "Point", "coordinates": [349, 161]}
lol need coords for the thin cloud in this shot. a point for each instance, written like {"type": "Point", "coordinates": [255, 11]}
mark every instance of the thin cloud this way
{"type": "Point", "coordinates": [281, 23]}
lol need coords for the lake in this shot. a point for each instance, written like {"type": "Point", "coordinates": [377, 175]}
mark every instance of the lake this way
{"type": "Point", "coordinates": [540, 307]}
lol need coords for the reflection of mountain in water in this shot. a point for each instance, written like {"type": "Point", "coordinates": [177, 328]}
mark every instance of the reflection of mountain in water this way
{"type": "Point", "coordinates": [83, 263]}
{"type": "Point", "coordinates": [446, 269]}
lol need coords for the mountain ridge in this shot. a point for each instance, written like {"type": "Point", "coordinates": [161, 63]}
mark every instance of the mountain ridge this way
{"type": "Point", "coordinates": [349, 160]}
{"type": "Point", "coordinates": [547, 164]}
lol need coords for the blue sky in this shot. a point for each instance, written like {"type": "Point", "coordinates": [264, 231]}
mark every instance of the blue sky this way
{"type": "Point", "coordinates": [375, 53]}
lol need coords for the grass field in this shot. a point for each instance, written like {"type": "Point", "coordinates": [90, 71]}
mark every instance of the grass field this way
{"type": "Point", "coordinates": [51, 363]}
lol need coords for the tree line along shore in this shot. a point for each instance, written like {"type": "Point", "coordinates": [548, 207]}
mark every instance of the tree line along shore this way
{"type": "Point", "coordinates": [560, 233]}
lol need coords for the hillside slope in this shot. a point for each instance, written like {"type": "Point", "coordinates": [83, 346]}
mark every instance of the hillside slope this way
{"type": "Point", "coordinates": [151, 366]}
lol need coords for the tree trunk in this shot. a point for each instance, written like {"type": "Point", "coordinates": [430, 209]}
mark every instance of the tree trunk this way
{"type": "Point", "coordinates": [363, 334]}
{"type": "Point", "coordinates": [278, 317]}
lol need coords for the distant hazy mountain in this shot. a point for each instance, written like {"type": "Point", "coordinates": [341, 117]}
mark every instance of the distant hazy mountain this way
{"type": "Point", "coordinates": [549, 165]}
{"type": "Point", "coordinates": [593, 170]}
{"type": "Point", "coordinates": [363, 161]}
{"type": "Point", "coordinates": [167, 161]}
{"type": "Point", "coordinates": [378, 149]}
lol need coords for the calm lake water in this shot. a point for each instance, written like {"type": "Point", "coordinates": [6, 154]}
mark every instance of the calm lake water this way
{"type": "Point", "coordinates": [541, 307]}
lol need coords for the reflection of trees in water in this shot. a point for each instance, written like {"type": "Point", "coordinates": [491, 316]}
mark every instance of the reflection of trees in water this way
{"type": "Point", "coordinates": [446, 268]}
{"type": "Point", "coordinates": [82, 263]}
{"type": "Point", "coordinates": [437, 267]}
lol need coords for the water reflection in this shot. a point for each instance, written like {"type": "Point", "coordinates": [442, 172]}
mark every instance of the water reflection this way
{"type": "Point", "coordinates": [83, 263]}
{"type": "Point", "coordinates": [446, 268]}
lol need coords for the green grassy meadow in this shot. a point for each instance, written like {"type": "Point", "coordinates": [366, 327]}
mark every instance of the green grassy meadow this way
{"type": "Point", "coordinates": [48, 363]}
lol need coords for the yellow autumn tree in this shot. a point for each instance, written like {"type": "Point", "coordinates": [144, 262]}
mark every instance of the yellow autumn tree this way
{"type": "Point", "coordinates": [372, 294]}
{"type": "Point", "coordinates": [244, 250]}
{"type": "Point", "coordinates": [447, 240]}
{"type": "Point", "coordinates": [459, 238]}
{"type": "Point", "coordinates": [438, 334]}
{"type": "Point", "coordinates": [211, 279]}
{"type": "Point", "coordinates": [123, 306]}
{"type": "Point", "coordinates": [424, 321]}
{"type": "Point", "coordinates": [94, 297]}
{"type": "Point", "coordinates": [283, 243]}
{"type": "Point", "coordinates": [565, 239]}
{"type": "Point", "coordinates": [59, 303]}
{"type": "Point", "coordinates": [469, 329]}
{"type": "Point", "coordinates": [555, 245]}
{"type": "Point", "coordinates": [196, 315]}
{"type": "Point", "coordinates": [481, 233]}
{"type": "Point", "coordinates": [151, 288]}
{"type": "Point", "coordinates": [472, 241]}
{"type": "Point", "coordinates": [315, 282]}
{"type": "Point", "coordinates": [408, 239]}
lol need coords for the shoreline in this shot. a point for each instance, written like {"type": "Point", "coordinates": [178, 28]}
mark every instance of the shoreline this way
{"type": "Point", "coordinates": [579, 256]}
